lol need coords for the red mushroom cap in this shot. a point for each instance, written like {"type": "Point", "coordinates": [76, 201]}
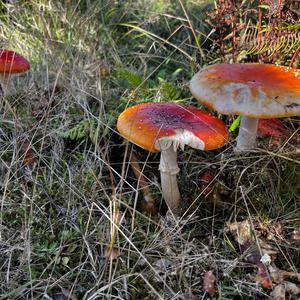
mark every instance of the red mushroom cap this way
{"type": "Point", "coordinates": [253, 90]}
{"type": "Point", "coordinates": [12, 63]}
{"type": "Point", "coordinates": [147, 124]}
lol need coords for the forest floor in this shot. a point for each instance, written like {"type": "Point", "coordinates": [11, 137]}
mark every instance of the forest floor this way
{"type": "Point", "coordinates": [74, 223]}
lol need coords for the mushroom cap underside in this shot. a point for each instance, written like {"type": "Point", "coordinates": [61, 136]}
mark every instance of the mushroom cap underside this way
{"type": "Point", "coordinates": [253, 90]}
{"type": "Point", "coordinates": [12, 62]}
{"type": "Point", "coordinates": [154, 126]}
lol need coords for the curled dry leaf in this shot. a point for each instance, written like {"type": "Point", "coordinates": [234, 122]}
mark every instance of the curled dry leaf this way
{"type": "Point", "coordinates": [279, 292]}
{"type": "Point", "coordinates": [268, 249]}
{"type": "Point", "coordinates": [283, 289]}
{"type": "Point", "coordinates": [30, 159]}
{"type": "Point", "coordinates": [148, 206]}
{"type": "Point", "coordinates": [111, 252]}
{"type": "Point", "coordinates": [209, 283]}
{"type": "Point", "coordinates": [284, 283]}
{"type": "Point", "coordinates": [271, 230]}
{"type": "Point", "coordinates": [241, 231]}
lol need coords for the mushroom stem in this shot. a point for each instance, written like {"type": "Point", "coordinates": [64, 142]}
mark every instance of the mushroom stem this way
{"type": "Point", "coordinates": [247, 134]}
{"type": "Point", "coordinates": [168, 170]}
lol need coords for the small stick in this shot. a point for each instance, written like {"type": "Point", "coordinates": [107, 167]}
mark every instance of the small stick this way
{"type": "Point", "coordinates": [142, 183]}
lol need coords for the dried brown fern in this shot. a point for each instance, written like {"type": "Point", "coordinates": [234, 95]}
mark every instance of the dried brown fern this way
{"type": "Point", "coordinates": [281, 42]}
{"type": "Point", "coordinates": [265, 31]}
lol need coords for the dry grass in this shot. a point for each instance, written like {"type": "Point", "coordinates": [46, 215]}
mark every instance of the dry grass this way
{"type": "Point", "coordinates": [67, 193]}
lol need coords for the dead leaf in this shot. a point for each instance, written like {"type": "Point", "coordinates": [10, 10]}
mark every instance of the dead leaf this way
{"type": "Point", "coordinates": [30, 159]}
{"type": "Point", "coordinates": [113, 253]}
{"type": "Point", "coordinates": [292, 288]}
{"type": "Point", "coordinates": [296, 235]}
{"type": "Point", "coordinates": [268, 249]}
{"type": "Point", "coordinates": [243, 235]}
{"type": "Point", "coordinates": [148, 206]}
{"type": "Point", "coordinates": [263, 277]}
{"type": "Point", "coordinates": [275, 129]}
{"type": "Point", "coordinates": [279, 292]}
{"type": "Point", "coordinates": [209, 283]}
{"type": "Point", "coordinates": [263, 256]}
{"type": "Point", "coordinates": [271, 230]}
{"type": "Point", "coordinates": [279, 276]}
{"type": "Point", "coordinates": [163, 264]}
{"type": "Point", "coordinates": [284, 289]}
{"type": "Point", "coordinates": [241, 231]}
{"type": "Point", "coordinates": [41, 107]}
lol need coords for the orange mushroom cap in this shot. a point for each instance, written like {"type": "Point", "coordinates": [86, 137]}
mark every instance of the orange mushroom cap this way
{"type": "Point", "coordinates": [146, 124]}
{"type": "Point", "coordinates": [12, 63]}
{"type": "Point", "coordinates": [253, 90]}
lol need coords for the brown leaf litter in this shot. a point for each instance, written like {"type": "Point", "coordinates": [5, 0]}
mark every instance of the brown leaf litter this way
{"type": "Point", "coordinates": [253, 239]}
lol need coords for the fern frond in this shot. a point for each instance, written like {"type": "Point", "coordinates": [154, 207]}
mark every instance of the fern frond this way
{"type": "Point", "coordinates": [133, 79]}
{"type": "Point", "coordinates": [282, 40]}
{"type": "Point", "coordinates": [169, 91]}
{"type": "Point", "coordinates": [85, 128]}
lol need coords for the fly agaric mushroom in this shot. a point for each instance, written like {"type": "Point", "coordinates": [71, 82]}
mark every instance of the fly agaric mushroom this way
{"type": "Point", "coordinates": [163, 127]}
{"type": "Point", "coordinates": [253, 91]}
{"type": "Point", "coordinates": [11, 63]}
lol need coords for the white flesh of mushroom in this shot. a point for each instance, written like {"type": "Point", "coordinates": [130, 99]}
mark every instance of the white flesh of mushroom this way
{"type": "Point", "coordinates": [169, 168]}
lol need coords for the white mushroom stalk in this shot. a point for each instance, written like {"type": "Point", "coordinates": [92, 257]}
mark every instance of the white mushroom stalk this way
{"type": "Point", "coordinates": [246, 139]}
{"type": "Point", "coordinates": [168, 166]}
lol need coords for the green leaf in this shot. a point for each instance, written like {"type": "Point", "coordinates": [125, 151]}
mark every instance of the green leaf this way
{"type": "Point", "coordinates": [235, 124]}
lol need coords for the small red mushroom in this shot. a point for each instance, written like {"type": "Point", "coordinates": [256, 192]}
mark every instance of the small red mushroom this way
{"type": "Point", "coordinates": [164, 127]}
{"type": "Point", "coordinates": [273, 128]}
{"type": "Point", "coordinates": [11, 63]}
{"type": "Point", "coordinates": [206, 182]}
